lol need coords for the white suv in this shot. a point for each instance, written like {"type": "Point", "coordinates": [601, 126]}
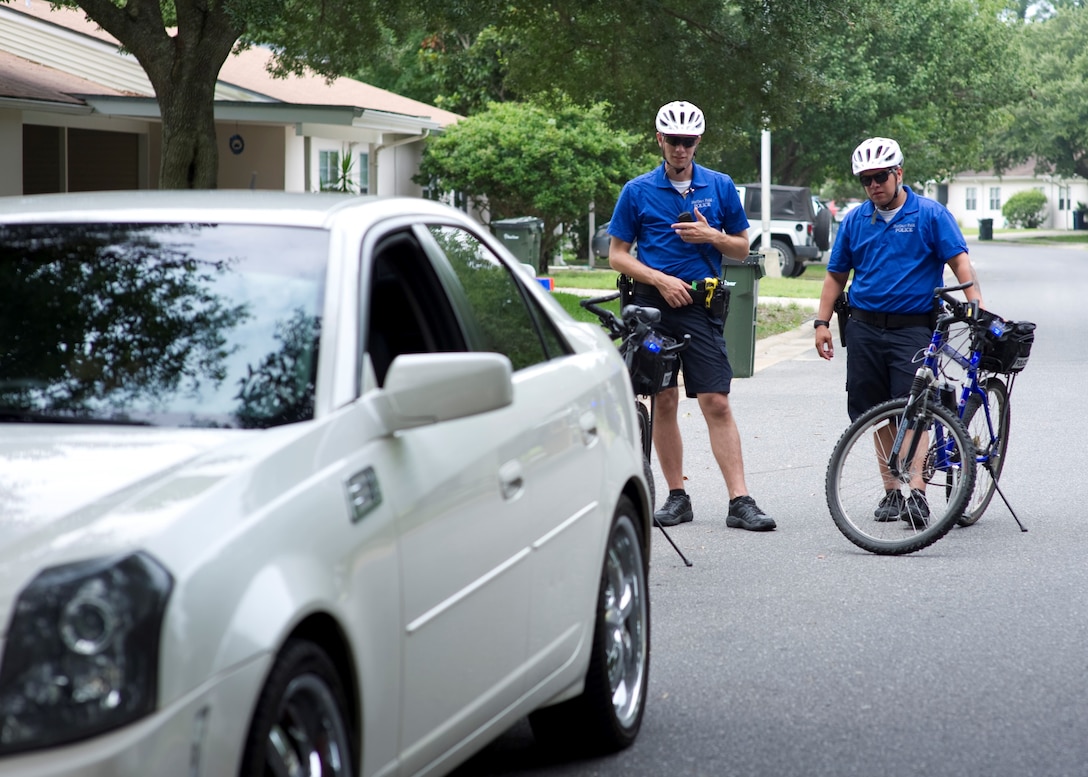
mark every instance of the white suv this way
{"type": "Point", "coordinates": [800, 225]}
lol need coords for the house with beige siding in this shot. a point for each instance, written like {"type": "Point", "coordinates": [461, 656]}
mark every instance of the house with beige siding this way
{"type": "Point", "coordinates": [76, 114]}
{"type": "Point", "coordinates": [973, 196]}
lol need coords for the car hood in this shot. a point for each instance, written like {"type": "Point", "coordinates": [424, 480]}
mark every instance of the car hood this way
{"type": "Point", "coordinates": [66, 491]}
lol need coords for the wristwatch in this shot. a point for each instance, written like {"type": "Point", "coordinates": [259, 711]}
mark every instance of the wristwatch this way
{"type": "Point", "coordinates": [819, 323]}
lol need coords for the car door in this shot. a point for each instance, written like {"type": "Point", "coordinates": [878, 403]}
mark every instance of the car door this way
{"type": "Point", "coordinates": [463, 550]}
{"type": "Point", "coordinates": [563, 422]}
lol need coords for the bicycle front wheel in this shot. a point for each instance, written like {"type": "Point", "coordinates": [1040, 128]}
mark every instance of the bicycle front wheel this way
{"type": "Point", "coordinates": [646, 432]}
{"type": "Point", "coordinates": [893, 493]}
{"type": "Point", "coordinates": [988, 427]}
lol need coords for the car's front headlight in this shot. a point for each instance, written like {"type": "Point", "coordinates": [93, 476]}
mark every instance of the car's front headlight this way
{"type": "Point", "coordinates": [81, 652]}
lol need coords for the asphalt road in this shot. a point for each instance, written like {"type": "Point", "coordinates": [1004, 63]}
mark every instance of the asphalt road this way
{"type": "Point", "coordinates": [795, 653]}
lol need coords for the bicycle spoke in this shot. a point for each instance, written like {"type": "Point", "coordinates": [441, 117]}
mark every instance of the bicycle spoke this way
{"type": "Point", "coordinates": [878, 507]}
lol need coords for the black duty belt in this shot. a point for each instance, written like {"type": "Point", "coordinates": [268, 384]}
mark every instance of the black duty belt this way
{"type": "Point", "coordinates": [892, 320]}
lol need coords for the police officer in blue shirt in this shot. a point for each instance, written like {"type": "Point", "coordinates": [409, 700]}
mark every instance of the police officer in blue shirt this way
{"type": "Point", "coordinates": [896, 245]}
{"type": "Point", "coordinates": [684, 218]}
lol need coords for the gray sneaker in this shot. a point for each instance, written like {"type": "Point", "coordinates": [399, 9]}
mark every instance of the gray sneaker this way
{"type": "Point", "coordinates": [890, 507]}
{"type": "Point", "coordinates": [745, 514]}
{"type": "Point", "coordinates": [676, 510]}
{"type": "Point", "coordinates": [917, 509]}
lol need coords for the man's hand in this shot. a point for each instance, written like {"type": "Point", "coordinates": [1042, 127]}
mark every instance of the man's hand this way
{"type": "Point", "coordinates": [674, 291]}
{"type": "Point", "coordinates": [697, 231]}
{"type": "Point", "coordinates": [824, 346]}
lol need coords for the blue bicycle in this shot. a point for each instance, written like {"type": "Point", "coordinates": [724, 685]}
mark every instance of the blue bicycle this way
{"type": "Point", "coordinates": [904, 473]}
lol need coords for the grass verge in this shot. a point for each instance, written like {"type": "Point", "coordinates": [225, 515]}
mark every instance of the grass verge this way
{"type": "Point", "coordinates": [771, 319]}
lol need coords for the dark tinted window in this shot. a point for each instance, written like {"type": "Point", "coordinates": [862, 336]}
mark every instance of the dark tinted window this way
{"type": "Point", "coordinates": [172, 324]}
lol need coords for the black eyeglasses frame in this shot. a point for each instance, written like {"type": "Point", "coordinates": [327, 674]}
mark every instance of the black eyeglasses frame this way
{"type": "Point", "coordinates": [687, 141]}
{"type": "Point", "coordinates": [880, 178]}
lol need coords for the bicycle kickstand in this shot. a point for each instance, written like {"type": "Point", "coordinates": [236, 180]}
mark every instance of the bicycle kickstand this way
{"type": "Point", "coordinates": [1004, 499]}
{"type": "Point", "coordinates": [679, 552]}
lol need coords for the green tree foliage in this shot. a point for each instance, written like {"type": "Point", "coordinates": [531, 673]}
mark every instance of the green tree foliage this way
{"type": "Point", "coordinates": [1025, 209]}
{"type": "Point", "coordinates": [518, 159]}
{"type": "Point", "coordinates": [929, 73]}
{"type": "Point", "coordinates": [1051, 124]}
{"type": "Point", "coordinates": [822, 76]}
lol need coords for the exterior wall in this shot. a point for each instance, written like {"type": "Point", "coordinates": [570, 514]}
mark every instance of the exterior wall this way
{"type": "Point", "coordinates": [11, 152]}
{"type": "Point", "coordinates": [395, 167]}
{"type": "Point", "coordinates": [1056, 217]}
{"type": "Point", "coordinates": [260, 161]}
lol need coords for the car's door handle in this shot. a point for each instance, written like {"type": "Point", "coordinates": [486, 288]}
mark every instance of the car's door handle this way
{"type": "Point", "coordinates": [511, 482]}
{"type": "Point", "coordinates": [587, 424]}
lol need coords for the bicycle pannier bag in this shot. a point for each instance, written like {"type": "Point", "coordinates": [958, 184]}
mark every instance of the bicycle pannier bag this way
{"type": "Point", "coordinates": [649, 368]}
{"type": "Point", "coordinates": [1007, 345]}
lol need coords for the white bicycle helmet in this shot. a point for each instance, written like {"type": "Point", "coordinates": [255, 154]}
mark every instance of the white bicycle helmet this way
{"type": "Point", "coordinates": [680, 118]}
{"type": "Point", "coordinates": [874, 153]}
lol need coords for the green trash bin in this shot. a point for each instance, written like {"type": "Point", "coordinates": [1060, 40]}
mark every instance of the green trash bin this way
{"type": "Point", "coordinates": [521, 236]}
{"type": "Point", "coordinates": [740, 325]}
{"type": "Point", "coordinates": [985, 229]}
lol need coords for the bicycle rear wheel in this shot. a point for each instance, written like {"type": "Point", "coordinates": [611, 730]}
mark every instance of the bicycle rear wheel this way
{"type": "Point", "coordinates": [990, 448]}
{"type": "Point", "coordinates": [856, 485]}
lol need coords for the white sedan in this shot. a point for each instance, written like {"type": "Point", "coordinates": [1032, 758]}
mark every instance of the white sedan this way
{"type": "Point", "coordinates": [304, 484]}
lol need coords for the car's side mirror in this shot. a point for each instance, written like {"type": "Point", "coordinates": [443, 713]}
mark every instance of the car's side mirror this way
{"type": "Point", "coordinates": [428, 388]}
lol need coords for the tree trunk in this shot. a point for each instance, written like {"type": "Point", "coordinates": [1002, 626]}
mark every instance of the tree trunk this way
{"type": "Point", "coordinates": [190, 154]}
{"type": "Point", "coordinates": [183, 69]}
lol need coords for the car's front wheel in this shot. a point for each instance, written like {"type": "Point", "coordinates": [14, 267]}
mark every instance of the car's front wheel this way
{"type": "Point", "coordinates": [300, 724]}
{"type": "Point", "coordinates": [608, 714]}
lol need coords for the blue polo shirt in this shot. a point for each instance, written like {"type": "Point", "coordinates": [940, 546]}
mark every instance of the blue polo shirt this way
{"type": "Point", "coordinates": [649, 204]}
{"type": "Point", "coordinates": [897, 264]}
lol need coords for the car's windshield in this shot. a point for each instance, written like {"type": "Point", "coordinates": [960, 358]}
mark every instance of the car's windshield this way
{"type": "Point", "coordinates": [209, 325]}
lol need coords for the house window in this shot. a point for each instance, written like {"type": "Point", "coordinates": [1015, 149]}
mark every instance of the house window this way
{"type": "Point", "coordinates": [362, 168]}
{"type": "Point", "coordinates": [335, 178]}
{"type": "Point", "coordinates": [329, 170]}
{"type": "Point", "coordinates": [1063, 198]}
{"type": "Point", "coordinates": [971, 198]}
{"type": "Point", "coordinates": [995, 198]}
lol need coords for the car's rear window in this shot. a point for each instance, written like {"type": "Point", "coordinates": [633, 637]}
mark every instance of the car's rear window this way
{"type": "Point", "coordinates": [205, 325]}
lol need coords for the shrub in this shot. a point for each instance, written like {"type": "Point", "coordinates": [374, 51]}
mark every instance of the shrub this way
{"type": "Point", "coordinates": [1025, 209]}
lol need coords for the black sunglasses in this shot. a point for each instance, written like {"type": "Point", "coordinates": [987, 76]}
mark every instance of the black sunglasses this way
{"type": "Point", "coordinates": [880, 178]}
{"type": "Point", "coordinates": [680, 140]}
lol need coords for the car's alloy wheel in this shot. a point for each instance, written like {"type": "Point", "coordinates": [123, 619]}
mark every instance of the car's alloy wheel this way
{"type": "Point", "coordinates": [608, 714]}
{"type": "Point", "coordinates": [300, 724]}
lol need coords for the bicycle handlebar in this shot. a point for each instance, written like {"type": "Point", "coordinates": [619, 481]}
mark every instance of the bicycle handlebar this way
{"type": "Point", "coordinates": [633, 322]}
{"type": "Point", "coordinates": [959, 311]}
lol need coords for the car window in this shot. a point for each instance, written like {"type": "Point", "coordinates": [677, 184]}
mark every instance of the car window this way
{"type": "Point", "coordinates": [209, 325]}
{"type": "Point", "coordinates": [408, 310]}
{"type": "Point", "coordinates": [504, 319]}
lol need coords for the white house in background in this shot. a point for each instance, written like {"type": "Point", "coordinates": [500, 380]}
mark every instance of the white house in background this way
{"type": "Point", "coordinates": [78, 115]}
{"type": "Point", "coordinates": [972, 196]}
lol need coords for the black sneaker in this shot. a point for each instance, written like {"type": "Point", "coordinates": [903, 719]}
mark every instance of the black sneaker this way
{"type": "Point", "coordinates": [891, 507]}
{"type": "Point", "coordinates": [676, 510]}
{"type": "Point", "coordinates": [744, 514]}
{"type": "Point", "coordinates": [917, 509]}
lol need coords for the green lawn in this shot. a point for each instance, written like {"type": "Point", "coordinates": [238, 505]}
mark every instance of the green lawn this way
{"type": "Point", "coordinates": [771, 319]}
{"type": "Point", "coordinates": [805, 287]}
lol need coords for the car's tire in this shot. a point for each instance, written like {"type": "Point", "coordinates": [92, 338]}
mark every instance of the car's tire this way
{"type": "Point", "coordinates": [301, 718]}
{"type": "Point", "coordinates": [798, 269]}
{"type": "Point", "coordinates": [607, 716]}
{"type": "Point", "coordinates": [821, 229]}
{"type": "Point", "coordinates": [788, 260]}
